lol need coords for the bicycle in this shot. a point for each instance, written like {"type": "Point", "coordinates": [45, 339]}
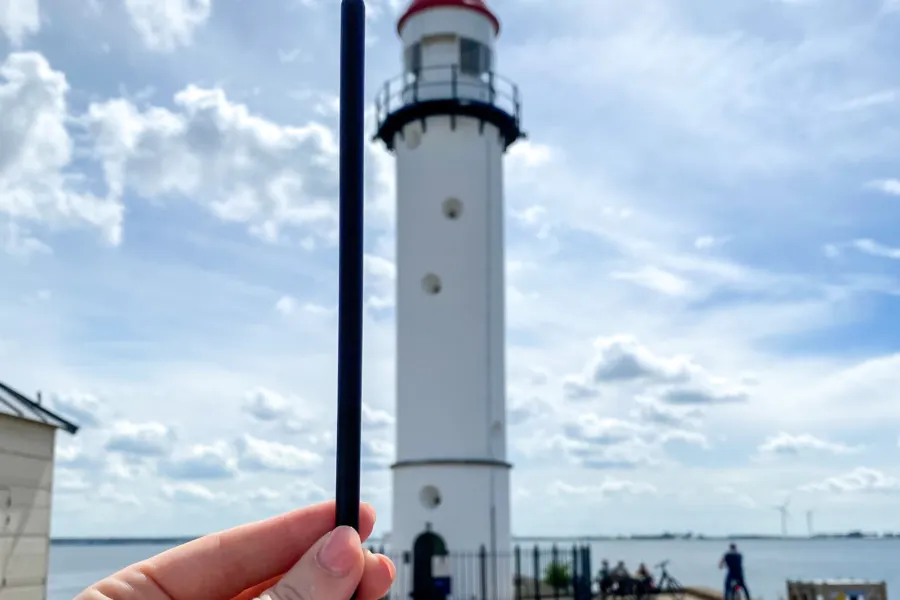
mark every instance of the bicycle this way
{"type": "Point", "coordinates": [737, 591]}
{"type": "Point", "coordinates": [668, 584]}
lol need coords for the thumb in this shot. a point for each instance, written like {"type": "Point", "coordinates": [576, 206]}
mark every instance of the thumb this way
{"type": "Point", "coordinates": [331, 570]}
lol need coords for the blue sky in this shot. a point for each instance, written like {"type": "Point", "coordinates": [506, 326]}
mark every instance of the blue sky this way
{"type": "Point", "coordinates": [702, 259]}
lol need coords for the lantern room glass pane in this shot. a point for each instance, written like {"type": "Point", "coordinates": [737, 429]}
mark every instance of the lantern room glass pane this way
{"type": "Point", "coordinates": [474, 57]}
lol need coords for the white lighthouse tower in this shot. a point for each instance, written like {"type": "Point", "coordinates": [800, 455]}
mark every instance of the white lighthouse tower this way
{"type": "Point", "coordinates": [449, 120]}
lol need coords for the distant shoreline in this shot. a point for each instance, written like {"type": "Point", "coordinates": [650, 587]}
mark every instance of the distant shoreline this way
{"type": "Point", "coordinates": [173, 541]}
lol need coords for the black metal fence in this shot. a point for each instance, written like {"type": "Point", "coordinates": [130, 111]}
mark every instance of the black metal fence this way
{"type": "Point", "coordinates": [532, 573]}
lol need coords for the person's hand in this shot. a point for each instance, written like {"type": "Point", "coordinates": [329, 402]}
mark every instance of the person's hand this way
{"type": "Point", "coordinates": [295, 556]}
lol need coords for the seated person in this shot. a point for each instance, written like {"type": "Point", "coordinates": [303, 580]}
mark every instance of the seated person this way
{"type": "Point", "coordinates": [621, 578]}
{"type": "Point", "coordinates": [604, 577]}
{"type": "Point", "coordinates": [644, 578]}
{"type": "Point", "coordinates": [621, 571]}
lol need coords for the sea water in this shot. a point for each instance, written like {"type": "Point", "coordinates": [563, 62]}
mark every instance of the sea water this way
{"type": "Point", "coordinates": [768, 563]}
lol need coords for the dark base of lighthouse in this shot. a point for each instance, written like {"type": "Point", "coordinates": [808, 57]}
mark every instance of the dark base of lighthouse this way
{"type": "Point", "coordinates": [431, 570]}
{"type": "Point", "coordinates": [484, 112]}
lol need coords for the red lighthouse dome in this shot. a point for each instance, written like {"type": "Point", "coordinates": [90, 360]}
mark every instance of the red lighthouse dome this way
{"type": "Point", "coordinates": [419, 6]}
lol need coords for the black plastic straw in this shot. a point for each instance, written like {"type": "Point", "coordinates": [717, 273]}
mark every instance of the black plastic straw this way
{"type": "Point", "coordinates": [350, 302]}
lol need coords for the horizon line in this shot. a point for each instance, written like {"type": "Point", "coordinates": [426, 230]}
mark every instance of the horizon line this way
{"type": "Point", "coordinates": [660, 537]}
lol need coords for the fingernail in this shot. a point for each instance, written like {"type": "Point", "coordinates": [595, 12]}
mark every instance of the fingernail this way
{"type": "Point", "coordinates": [340, 552]}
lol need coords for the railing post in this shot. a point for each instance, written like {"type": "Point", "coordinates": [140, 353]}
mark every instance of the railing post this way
{"type": "Point", "coordinates": [454, 83]}
{"type": "Point", "coordinates": [587, 568]}
{"type": "Point", "coordinates": [537, 573]}
{"type": "Point", "coordinates": [491, 84]}
{"type": "Point", "coordinates": [554, 564]}
{"type": "Point", "coordinates": [576, 572]}
{"type": "Point", "coordinates": [482, 559]}
{"type": "Point", "coordinates": [517, 106]}
{"type": "Point", "coordinates": [518, 576]}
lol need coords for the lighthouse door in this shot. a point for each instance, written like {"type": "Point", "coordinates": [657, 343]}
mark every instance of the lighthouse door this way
{"type": "Point", "coordinates": [426, 547]}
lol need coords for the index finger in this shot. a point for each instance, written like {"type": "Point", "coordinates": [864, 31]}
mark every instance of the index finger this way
{"type": "Point", "coordinates": [222, 565]}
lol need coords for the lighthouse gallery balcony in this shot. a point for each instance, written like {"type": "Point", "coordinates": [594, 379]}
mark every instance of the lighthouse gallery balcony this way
{"type": "Point", "coordinates": [444, 91]}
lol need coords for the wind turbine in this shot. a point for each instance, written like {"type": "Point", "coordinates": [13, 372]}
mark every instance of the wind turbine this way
{"type": "Point", "coordinates": [809, 522]}
{"type": "Point", "coordinates": [783, 509]}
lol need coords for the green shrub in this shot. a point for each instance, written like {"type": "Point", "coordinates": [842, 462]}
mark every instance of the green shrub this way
{"type": "Point", "coordinates": [558, 575]}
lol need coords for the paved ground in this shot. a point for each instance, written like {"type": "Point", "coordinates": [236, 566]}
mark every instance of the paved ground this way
{"type": "Point", "coordinates": [690, 593]}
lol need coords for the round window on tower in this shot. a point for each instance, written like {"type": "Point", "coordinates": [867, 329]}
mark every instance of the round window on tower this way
{"type": "Point", "coordinates": [430, 497]}
{"type": "Point", "coordinates": [431, 283]}
{"type": "Point", "coordinates": [452, 208]}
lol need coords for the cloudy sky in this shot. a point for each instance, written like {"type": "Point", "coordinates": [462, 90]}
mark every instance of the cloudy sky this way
{"type": "Point", "coordinates": [702, 259]}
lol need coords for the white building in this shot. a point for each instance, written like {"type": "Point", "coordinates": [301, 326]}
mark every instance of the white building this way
{"type": "Point", "coordinates": [27, 441]}
{"type": "Point", "coordinates": [449, 120]}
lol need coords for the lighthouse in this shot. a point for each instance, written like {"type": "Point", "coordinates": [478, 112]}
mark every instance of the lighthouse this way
{"type": "Point", "coordinates": [449, 118]}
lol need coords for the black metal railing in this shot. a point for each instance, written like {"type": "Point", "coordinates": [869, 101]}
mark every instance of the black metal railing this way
{"type": "Point", "coordinates": [536, 573]}
{"type": "Point", "coordinates": [447, 82]}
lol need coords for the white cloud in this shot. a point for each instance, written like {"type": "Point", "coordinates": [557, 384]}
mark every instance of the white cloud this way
{"type": "Point", "coordinates": [376, 454]}
{"type": "Point", "coordinates": [85, 409]}
{"type": "Point", "coordinates": [657, 280]}
{"type": "Point", "coordinates": [623, 358]}
{"type": "Point", "coordinates": [657, 413]}
{"type": "Point", "coordinates": [788, 444]}
{"type": "Point", "coordinates": [265, 405]}
{"type": "Point", "coordinates": [108, 494]}
{"type": "Point", "coordinates": [597, 430]}
{"type": "Point", "coordinates": [18, 241]}
{"type": "Point", "coordinates": [862, 480]}
{"type": "Point", "coordinates": [164, 25]}
{"type": "Point", "coordinates": [73, 457]}
{"type": "Point", "coordinates": [286, 305]}
{"type": "Point", "coordinates": [19, 19]}
{"type": "Point", "coordinates": [610, 487]}
{"type": "Point", "coordinates": [67, 481]}
{"type": "Point", "coordinates": [192, 492]}
{"type": "Point", "coordinates": [691, 438]}
{"type": "Point", "coordinates": [240, 167]}
{"type": "Point", "coordinates": [141, 439]}
{"type": "Point", "coordinates": [201, 462]}
{"type": "Point", "coordinates": [36, 183]}
{"type": "Point", "coordinates": [524, 409]}
{"type": "Point", "coordinates": [886, 186]}
{"type": "Point", "coordinates": [695, 394]}
{"type": "Point", "coordinates": [255, 454]}
{"type": "Point", "coordinates": [708, 242]}
{"type": "Point", "coordinates": [375, 418]}
{"type": "Point", "coordinates": [874, 248]}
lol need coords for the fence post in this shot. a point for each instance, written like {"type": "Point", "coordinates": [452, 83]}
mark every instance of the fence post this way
{"type": "Point", "coordinates": [554, 562]}
{"type": "Point", "coordinates": [588, 569]}
{"type": "Point", "coordinates": [576, 573]}
{"type": "Point", "coordinates": [482, 559]}
{"type": "Point", "coordinates": [537, 573]}
{"type": "Point", "coordinates": [518, 577]}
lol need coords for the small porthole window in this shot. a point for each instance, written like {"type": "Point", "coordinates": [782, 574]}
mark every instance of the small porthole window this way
{"type": "Point", "coordinates": [431, 283]}
{"type": "Point", "coordinates": [430, 497]}
{"type": "Point", "coordinates": [452, 208]}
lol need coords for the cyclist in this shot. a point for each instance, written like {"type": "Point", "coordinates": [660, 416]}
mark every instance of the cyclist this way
{"type": "Point", "coordinates": [733, 562]}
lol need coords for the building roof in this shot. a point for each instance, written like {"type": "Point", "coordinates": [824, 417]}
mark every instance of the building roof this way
{"type": "Point", "coordinates": [478, 6]}
{"type": "Point", "coordinates": [16, 404]}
